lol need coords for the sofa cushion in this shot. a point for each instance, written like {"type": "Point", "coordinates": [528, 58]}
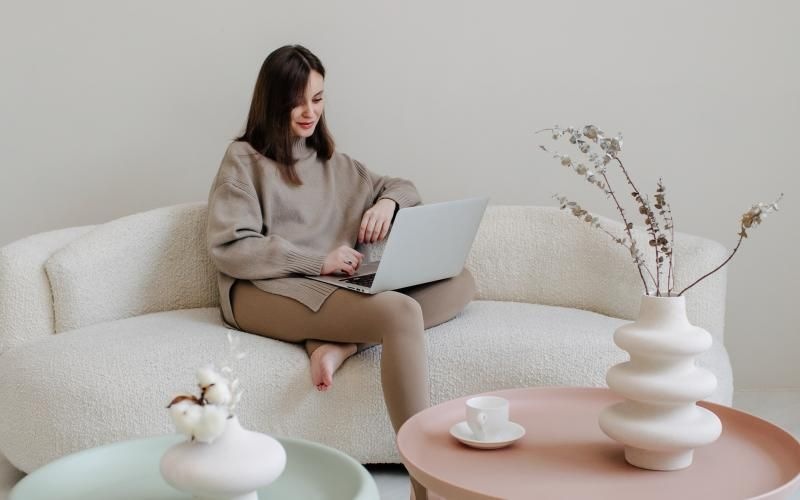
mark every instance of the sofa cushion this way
{"type": "Point", "coordinates": [112, 381]}
{"type": "Point", "coordinates": [143, 263]}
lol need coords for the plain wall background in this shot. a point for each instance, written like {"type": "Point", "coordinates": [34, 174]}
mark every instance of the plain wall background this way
{"type": "Point", "coordinates": [110, 108]}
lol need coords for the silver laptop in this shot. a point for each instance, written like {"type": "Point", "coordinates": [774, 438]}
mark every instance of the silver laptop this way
{"type": "Point", "coordinates": [427, 243]}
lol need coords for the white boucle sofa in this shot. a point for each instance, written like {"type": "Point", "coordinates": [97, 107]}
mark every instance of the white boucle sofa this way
{"type": "Point", "coordinates": [100, 326]}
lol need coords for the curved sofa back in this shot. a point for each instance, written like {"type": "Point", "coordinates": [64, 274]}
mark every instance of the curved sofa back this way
{"type": "Point", "coordinates": [543, 255]}
{"type": "Point", "coordinates": [157, 260]}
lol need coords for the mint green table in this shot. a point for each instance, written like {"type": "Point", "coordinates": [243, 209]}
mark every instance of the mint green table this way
{"type": "Point", "coordinates": [129, 470]}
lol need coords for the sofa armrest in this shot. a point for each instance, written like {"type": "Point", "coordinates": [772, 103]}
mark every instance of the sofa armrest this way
{"type": "Point", "coordinates": [26, 301]}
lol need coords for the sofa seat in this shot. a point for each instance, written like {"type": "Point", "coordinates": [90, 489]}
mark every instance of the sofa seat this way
{"type": "Point", "coordinates": [112, 381]}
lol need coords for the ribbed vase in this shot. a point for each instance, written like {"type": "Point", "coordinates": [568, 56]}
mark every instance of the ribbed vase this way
{"type": "Point", "coordinates": [660, 423]}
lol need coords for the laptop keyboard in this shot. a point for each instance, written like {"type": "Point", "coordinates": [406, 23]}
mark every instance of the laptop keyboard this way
{"type": "Point", "coordinates": [365, 280]}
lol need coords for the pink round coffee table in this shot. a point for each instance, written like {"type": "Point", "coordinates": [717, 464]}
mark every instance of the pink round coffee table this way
{"type": "Point", "coordinates": [565, 455]}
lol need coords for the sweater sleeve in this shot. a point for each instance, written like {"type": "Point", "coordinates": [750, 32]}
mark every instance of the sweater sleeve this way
{"type": "Point", "coordinates": [238, 246]}
{"type": "Point", "coordinates": [401, 191]}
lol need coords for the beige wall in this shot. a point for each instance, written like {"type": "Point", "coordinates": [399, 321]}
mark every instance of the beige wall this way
{"type": "Point", "coordinates": [109, 108]}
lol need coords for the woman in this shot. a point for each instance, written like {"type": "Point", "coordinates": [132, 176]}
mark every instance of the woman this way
{"type": "Point", "coordinates": [285, 204]}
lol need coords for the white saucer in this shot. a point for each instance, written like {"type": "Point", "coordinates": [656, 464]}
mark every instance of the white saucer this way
{"type": "Point", "coordinates": [463, 433]}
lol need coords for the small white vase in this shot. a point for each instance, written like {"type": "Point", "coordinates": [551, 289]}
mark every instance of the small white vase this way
{"type": "Point", "coordinates": [232, 467]}
{"type": "Point", "coordinates": [660, 423]}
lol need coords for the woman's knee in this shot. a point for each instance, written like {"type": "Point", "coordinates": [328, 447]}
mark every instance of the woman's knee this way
{"type": "Point", "coordinates": [397, 312]}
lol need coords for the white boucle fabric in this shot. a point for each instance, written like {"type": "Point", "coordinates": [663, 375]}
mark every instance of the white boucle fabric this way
{"type": "Point", "coordinates": [157, 261]}
{"type": "Point", "coordinates": [543, 255]}
{"type": "Point", "coordinates": [148, 262]}
{"type": "Point", "coordinates": [26, 302]}
{"type": "Point", "coordinates": [111, 381]}
{"type": "Point", "coordinates": [107, 378]}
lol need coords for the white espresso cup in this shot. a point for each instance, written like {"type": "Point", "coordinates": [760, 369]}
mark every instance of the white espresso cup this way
{"type": "Point", "coordinates": [487, 416]}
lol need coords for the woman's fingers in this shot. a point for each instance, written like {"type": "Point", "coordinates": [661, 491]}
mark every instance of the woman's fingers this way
{"type": "Point", "coordinates": [357, 258]}
{"type": "Point", "coordinates": [367, 223]}
{"type": "Point", "coordinates": [373, 221]}
{"type": "Point", "coordinates": [376, 230]}
{"type": "Point", "coordinates": [381, 228]}
{"type": "Point", "coordinates": [362, 229]}
{"type": "Point", "coordinates": [384, 230]}
{"type": "Point", "coordinates": [351, 262]}
{"type": "Point", "coordinates": [343, 260]}
{"type": "Point", "coordinates": [351, 259]}
{"type": "Point", "coordinates": [347, 266]}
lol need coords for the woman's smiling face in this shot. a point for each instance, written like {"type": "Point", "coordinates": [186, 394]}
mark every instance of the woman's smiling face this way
{"type": "Point", "coordinates": [306, 114]}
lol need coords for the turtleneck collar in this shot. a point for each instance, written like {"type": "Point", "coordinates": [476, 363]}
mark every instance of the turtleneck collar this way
{"type": "Point", "coordinates": [301, 151]}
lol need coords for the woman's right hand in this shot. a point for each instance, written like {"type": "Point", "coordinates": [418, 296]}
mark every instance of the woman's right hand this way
{"type": "Point", "coordinates": [343, 260]}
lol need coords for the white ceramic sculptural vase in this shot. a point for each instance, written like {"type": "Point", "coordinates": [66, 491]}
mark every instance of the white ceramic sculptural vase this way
{"type": "Point", "coordinates": [660, 423]}
{"type": "Point", "coordinates": [232, 467]}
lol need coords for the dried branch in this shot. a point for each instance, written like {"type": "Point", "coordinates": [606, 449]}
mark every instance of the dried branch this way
{"type": "Point", "coordinates": [750, 219]}
{"type": "Point", "coordinates": [662, 244]}
{"type": "Point", "coordinates": [650, 221]}
{"type": "Point", "coordinates": [667, 246]}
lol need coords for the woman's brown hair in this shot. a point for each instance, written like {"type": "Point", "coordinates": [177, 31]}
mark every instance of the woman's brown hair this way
{"type": "Point", "coordinates": [280, 86]}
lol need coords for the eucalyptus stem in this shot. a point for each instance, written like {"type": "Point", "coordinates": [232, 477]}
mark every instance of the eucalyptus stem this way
{"type": "Point", "coordinates": [741, 237]}
{"type": "Point", "coordinates": [660, 240]}
{"type": "Point", "coordinates": [650, 217]}
{"type": "Point", "coordinates": [627, 230]}
{"type": "Point", "coordinates": [670, 276]}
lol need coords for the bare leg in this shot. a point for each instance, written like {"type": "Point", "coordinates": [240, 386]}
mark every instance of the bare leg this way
{"type": "Point", "coordinates": [326, 358]}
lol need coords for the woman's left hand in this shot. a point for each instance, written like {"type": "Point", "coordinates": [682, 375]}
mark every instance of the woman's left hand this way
{"type": "Point", "coordinates": [376, 221]}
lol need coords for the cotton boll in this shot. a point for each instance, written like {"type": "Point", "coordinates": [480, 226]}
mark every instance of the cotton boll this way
{"type": "Point", "coordinates": [186, 415]}
{"type": "Point", "coordinates": [211, 424]}
{"type": "Point", "coordinates": [219, 393]}
{"type": "Point", "coordinates": [207, 376]}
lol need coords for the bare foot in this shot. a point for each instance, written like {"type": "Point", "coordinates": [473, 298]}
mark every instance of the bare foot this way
{"type": "Point", "coordinates": [325, 360]}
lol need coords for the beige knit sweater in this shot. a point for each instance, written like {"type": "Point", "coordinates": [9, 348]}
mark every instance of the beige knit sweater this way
{"type": "Point", "coordinates": [269, 232]}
